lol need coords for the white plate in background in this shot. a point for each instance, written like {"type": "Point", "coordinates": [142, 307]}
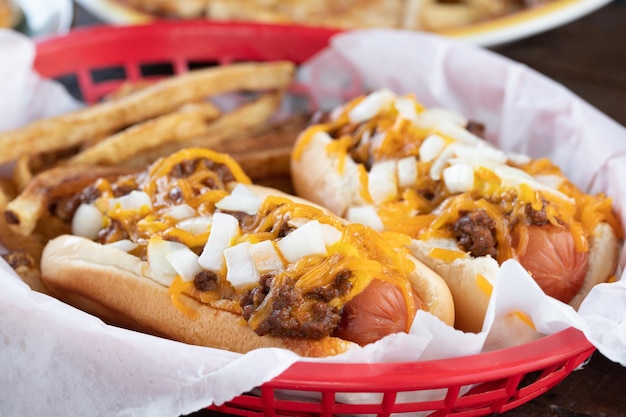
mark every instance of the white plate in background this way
{"type": "Point", "coordinates": [498, 31]}
{"type": "Point", "coordinates": [526, 22]}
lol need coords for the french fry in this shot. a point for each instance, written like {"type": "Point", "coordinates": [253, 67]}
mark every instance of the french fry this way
{"type": "Point", "coordinates": [56, 158]}
{"type": "Point", "coordinates": [229, 127]}
{"type": "Point", "coordinates": [264, 153]}
{"type": "Point", "coordinates": [12, 241]}
{"type": "Point", "coordinates": [272, 162]}
{"type": "Point", "coordinates": [175, 127]}
{"type": "Point", "coordinates": [22, 172]}
{"type": "Point", "coordinates": [179, 123]}
{"type": "Point", "coordinates": [23, 212]}
{"type": "Point", "coordinates": [127, 88]}
{"type": "Point", "coordinates": [26, 167]}
{"type": "Point", "coordinates": [7, 188]}
{"type": "Point", "coordinates": [270, 135]}
{"type": "Point", "coordinates": [160, 98]}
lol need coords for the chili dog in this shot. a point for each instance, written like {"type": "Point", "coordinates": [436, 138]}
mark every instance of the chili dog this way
{"type": "Point", "coordinates": [190, 250]}
{"type": "Point", "coordinates": [391, 163]}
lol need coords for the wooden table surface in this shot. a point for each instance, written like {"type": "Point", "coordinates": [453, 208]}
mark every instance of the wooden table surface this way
{"type": "Point", "coordinates": [587, 56]}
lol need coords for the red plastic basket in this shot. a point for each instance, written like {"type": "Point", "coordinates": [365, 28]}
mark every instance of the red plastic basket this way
{"type": "Point", "coordinates": [470, 386]}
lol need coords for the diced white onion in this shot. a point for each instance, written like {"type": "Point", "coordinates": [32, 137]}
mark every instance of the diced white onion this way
{"type": "Point", "coordinates": [195, 225]}
{"type": "Point", "coordinates": [459, 178]}
{"type": "Point", "coordinates": [134, 200]}
{"type": "Point", "coordinates": [240, 268]}
{"type": "Point", "coordinates": [435, 116]}
{"type": "Point", "coordinates": [243, 190]}
{"type": "Point", "coordinates": [365, 215]}
{"type": "Point", "coordinates": [371, 105]}
{"type": "Point", "coordinates": [406, 109]}
{"type": "Point", "coordinates": [157, 252]}
{"type": "Point", "coordinates": [475, 155]}
{"type": "Point", "coordinates": [407, 171]}
{"type": "Point", "coordinates": [549, 180]}
{"type": "Point", "coordinates": [518, 158]}
{"type": "Point", "coordinates": [431, 147]}
{"type": "Point", "coordinates": [223, 229]}
{"type": "Point", "coordinates": [436, 168]}
{"type": "Point", "coordinates": [480, 155]}
{"type": "Point", "coordinates": [185, 263]}
{"type": "Point", "coordinates": [383, 181]}
{"type": "Point", "coordinates": [330, 234]}
{"type": "Point", "coordinates": [87, 221]}
{"type": "Point", "coordinates": [126, 245]}
{"type": "Point", "coordinates": [459, 133]}
{"type": "Point", "coordinates": [298, 222]}
{"type": "Point", "coordinates": [514, 177]}
{"type": "Point", "coordinates": [305, 241]}
{"type": "Point", "coordinates": [181, 212]}
{"type": "Point", "coordinates": [265, 256]}
{"type": "Point", "coordinates": [240, 199]}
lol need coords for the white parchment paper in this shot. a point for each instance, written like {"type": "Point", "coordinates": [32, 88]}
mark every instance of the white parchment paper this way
{"type": "Point", "coordinates": [58, 361]}
{"type": "Point", "coordinates": [46, 17]}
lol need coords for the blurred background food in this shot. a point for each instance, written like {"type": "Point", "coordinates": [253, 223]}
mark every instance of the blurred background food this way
{"type": "Point", "coordinates": [482, 22]}
{"type": "Point", "coordinates": [431, 15]}
{"type": "Point", "coordinates": [10, 14]}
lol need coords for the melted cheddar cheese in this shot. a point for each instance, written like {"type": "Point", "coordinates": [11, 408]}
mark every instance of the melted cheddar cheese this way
{"type": "Point", "coordinates": [183, 191]}
{"type": "Point", "coordinates": [503, 186]}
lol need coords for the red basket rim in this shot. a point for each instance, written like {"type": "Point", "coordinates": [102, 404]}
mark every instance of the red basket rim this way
{"type": "Point", "coordinates": [486, 366]}
{"type": "Point", "coordinates": [305, 374]}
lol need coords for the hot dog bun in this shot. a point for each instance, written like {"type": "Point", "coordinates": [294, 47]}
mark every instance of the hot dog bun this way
{"type": "Point", "coordinates": [117, 287]}
{"type": "Point", "coordinates": [429, 286]}
{"type": "Point", "coordinates": [388, 162]}
{"type": "Point", "coordinates": [470, 278]}
{"type": "Point", "coordinates": [470, 293]}
{"type": "Point", "coordinates": [316, 176]}
{"type": "Point", "coordinates": [179, 255]}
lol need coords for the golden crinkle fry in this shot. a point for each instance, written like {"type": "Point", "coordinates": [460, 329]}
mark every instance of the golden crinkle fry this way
{"type": "Point", "coordinates": [53, 159]}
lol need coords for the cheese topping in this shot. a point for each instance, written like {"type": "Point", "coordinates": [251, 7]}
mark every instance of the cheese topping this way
{"type": "Point", "coordinates": [206, 236]}
{"type": "Point", "coordinates": [454, 172]}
